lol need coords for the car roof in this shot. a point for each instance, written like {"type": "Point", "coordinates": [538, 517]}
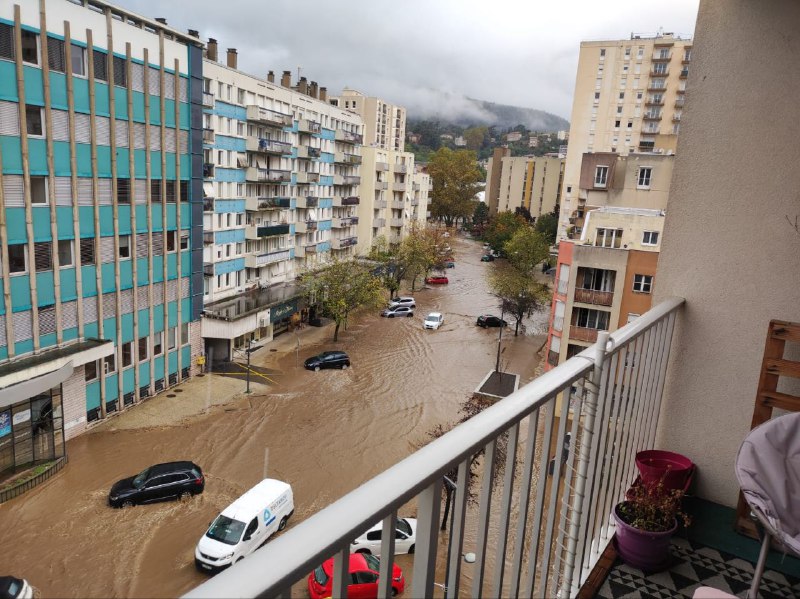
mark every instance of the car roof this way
{"type": "Point", "coordinates": [357, 563]}
{"type": "Point", "coordinates": [434, 314]}
{"type": "Point", "coordinates": [256, 499]}
{"type": "Point", "coordinates": [171, 467]}
{"type": "Point", "coordinates": [334, 352]}
{"type": "Point", "coordinates": [400, 298]}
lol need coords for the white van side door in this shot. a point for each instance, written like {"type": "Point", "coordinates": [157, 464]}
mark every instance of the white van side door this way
{"type": "Point", "coordinates": [253, 537]}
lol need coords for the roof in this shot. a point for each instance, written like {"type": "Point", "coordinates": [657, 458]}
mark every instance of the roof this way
{"type": "Point", "coordinates": [252, 502]}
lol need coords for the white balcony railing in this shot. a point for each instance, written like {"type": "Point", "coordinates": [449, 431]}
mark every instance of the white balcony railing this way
{"type": "Point", "coordinates": [571, 435]}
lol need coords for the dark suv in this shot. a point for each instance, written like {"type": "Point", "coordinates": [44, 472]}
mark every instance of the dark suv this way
{"type": "Point", "coordinates": [172, 480]}
{"type": "Point", "coordinates": [328, 359]}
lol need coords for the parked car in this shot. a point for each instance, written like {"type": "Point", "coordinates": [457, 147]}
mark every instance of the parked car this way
{"type": "Point", "coordinates": [398, 311]}
{"type": "Point", "coordinates": [328, 359]}
{"type": "Point", "coordinates": [487, 258]}
{"type": "Point", "coordinates": [488, 320]}
{"type": "Point", "coordinates": [450, 264]}
{"type": "Point", "coordinates": [495, 254]}
{"type": "Point", "coordinates": [364, 570]}
{"type": "Point", "coordinates": [403, 300]}
{"type": "Point", "coordinates": [15, 588]}
{"type": "Point", "coordinates": [550, 271]}
{"type": "Point", "coordinates": [405, 537]}
{"type": "Point", "coordinates": [433, 320]}
{"type": "Point", "coordinates": [437, 280]}
{"type": "Point", "coordinates": [171, 480]}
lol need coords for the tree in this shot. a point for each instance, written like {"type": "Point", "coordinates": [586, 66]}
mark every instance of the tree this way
{"type": "Point", "coordinates": [480, 215]}
{"type": "Point", "coordinates": [341, 287]}
{"type": "Point", "coordinates": [526, 250]}
{"type": "Point", "coordinates": [474, 136]}
{"type": "Point", "coordinates": [501, 228]}
{"type": "Point", "coordinates": [546, 226]}
{"type": "Point", "coordinates": [455, 176]}
{"type": "Point", "coordinates": [423, 250]}
{"type": "Point", "coordinates": [393, 266]}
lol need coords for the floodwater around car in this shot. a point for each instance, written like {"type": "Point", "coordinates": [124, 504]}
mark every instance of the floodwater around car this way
{"type": "Point", "coordinates": [323, 432]}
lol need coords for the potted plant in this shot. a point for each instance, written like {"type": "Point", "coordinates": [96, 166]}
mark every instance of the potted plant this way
{"type": "Point", "coordinates": [646, 521]}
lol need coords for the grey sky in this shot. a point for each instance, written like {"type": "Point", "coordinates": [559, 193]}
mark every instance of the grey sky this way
{"type": "Point", "coordinates": [424, 54]}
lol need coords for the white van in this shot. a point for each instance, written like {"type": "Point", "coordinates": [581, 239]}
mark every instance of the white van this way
{"type": "Point", "coordinates": [245, 525]}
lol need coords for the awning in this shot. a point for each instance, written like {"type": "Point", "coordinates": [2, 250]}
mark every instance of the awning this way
{"type": "Point", "coordinates": [208, 190]}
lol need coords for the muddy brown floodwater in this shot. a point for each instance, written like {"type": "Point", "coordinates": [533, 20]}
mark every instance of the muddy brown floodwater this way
{"type": "Point", "coordinates": [325, 433]}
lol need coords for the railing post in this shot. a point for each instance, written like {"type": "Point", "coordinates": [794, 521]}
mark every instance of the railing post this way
{"type": "Point", "coordinates": [592, 389]}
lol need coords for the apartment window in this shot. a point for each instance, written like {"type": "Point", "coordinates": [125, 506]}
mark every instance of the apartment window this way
{"type": "Point", "coordinates": [171, 241]}
{"type": "Point", "coordinates": [630, 124]}
{"type": "Point", "coordinates": [30, 47]}
{"type": "Point", "coordinates": [142, 348]}
{"type": "Point", "coordinates": [171, 334]}
{"type": "Point", "coordinates": [155, 190]}
{"type": "Point", "coordinates": [650, 238]}
{"type": "Point", "coordinates": [158, 343]}
{"type": "Point", "coordinates": [87, 251]}
{"type": "Point", "coordinates": [185, 332]}
{"type": "Point", "coordinates": [643, 180]}
{"type": "Point", "coordinates": [642, 283]}
{"type": "Point", "coordinates": [78, 60]}
{"type": "Point", "coordinates": [33, 120]}
{"type": "Point", "coordinates": [591, 319]}
{"type": "Point", "coordinates": [127, 354]}
{"type": "Point", "coordinates": [184, 190]}
{"type": "Point", "coordinates": [38, 190]}
{"type": "Point", "coordinates": [184, 241]}
{"type": "Point", "coordinates": [621, 95]}
{"type": "Point", "coordinates": [638, 96]}
{"type": "Point", "coordinates": [660, 68]}
{"type": "Point", "coordinates": [110, 364]}
{"type": "Point", "coordinates": [55, 54]}
{"type": "Point", "coordinates": [100, 66]}
{"type": "Point", "coordinates": [627, 52]}
{"type": "Point", "coordinates": [90, 371]}
{"type": "Point", "coordinates": [687, 55]}
{"type": "Point", "coordinates": [616, 124]}
{"type": "Point", "coordinates": [123, 191]}
{"type": "Point", "coordinates": [65, 252]}
{"type": "Point", "coordinates": [602, 51]}
{"type": "Point", "coordinates": [169, 191]}
{"type": "Point", "coordinates": [600, 176]}
{"type": "Point", "coordinates": [608, 238]}
{"type": "Point", "coordinates": [640, 52]}
{"type": "Point", "coordinates": [43, 256]}
{"type": "Point", "coordinates": [619, 109]}
{"type": "Point", "coordinates": [124, 246]}
{"type": "Point", "coordinates": [6, 41]}
{"type": "Point", "coordinates": [16, 258]}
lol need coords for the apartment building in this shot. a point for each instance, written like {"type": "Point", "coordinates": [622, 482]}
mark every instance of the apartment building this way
{"type": "Point", "coordinates": [606, 277]}
{"type": "Point", "coordinates": [493, 171]}
{"type": "Point", "coordinates": [281, 186]}
{"type": "Point", "coordinates": [530, 182]}
{"type": "Point", "coordinates": [629, 97]}
{"type": "Point", "coordinates": [101, 212]}
{"type": "Point", "coordinates": [384, 123]}
{"type": "Point", "coordinates": [395, 194]}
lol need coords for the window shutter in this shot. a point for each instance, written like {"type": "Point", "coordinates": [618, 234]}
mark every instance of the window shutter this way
{"type": "Point", "coordinates": [169, 86]}
{"type": "Point", "coordinates": [69, 315]}
{"type": "Point", "coordinates": [126, 298]}
{"type": "Point", "coordinates": [6, 41]}
{"type": "Point", "coordinates": [140, 191]}
{"type": "Point", "coordinates": [183, 135]}
{"type": "Point", "coordinates": [85, 197]}
{"type": "Point", "coordinates": [107, 250]}
{"type": "Point", "coordinates": [120, 72]}
{"type": "Point", "coordinates": [55, 54]}
{"type": "Point", "coordinates": [63, 191]}
{"type": "Point", "coordinates": [103, 130]}
{"type": "Point", "coordinates": [104, 192]}
{"type": "Point", "coordinates": [60, 125]}
{"type": "Point", "coordinates": [100, 65]}
{"type": "Point", "coordinates": [169, 141]}
{"type": "Point", "coordinates": [83, 130]}
{"type": "Point", "coordinates": [109, 305]}
{"type": "Point", "coordinates": [184, 287]}
{"type": "Point", "coordinates": [23, 325]}
{"type": "Point", "coordinates": [155, 139]}
{"type": "Point", "coordinates": [13, 191]}
{"type": "Point", "coordinates": [137, 77]}
{"type": "Point", "coordinates": [9, 118]}
{"type": "Point", "coordinates": [158, 293]}
{"type": "Point", "coordinates": [43, 255]}
{"type": "Point", "coordinates": [47, 320]}
{"type": "Point", "coordinates": [138, 136]}
{"type": "Point", "coordinates": [90, 309]}
{"type": "Point", "coordinates": [121, 130]}
{"type": "Point", "coordinates": [155, 88]}
{"type": "Point", "coordinates": [183, 92]}
{"type": "Point", "coordinates": [158, 244]}
{"type": "Point", "coordinates": [143, 296]}
{"type": "Point", "coordinates": [141, 245]}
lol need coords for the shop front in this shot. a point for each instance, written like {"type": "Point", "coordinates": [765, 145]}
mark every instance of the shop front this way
{"type": "Point", "coordinates": [280, 316]}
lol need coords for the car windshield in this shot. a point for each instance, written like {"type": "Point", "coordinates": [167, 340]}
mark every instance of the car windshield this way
{"type": "Point", "coordinates": [404, 527]}
{"type": "Point", "coordinates": [226, 530]}
{"type": "Point", "coordinates": [432, 318]}
{"type": "Point", "coordinates": [141, 478]}
{"type": "Point", "coordinates": [373, 563]}
{"type": "Point", "coordinates": [320, 576]}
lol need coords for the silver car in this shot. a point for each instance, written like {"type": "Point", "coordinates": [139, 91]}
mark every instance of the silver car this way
{"type": "Point", "coordinates": [402, 301]}
{"type": "Point", "coordinates": [407, 311]}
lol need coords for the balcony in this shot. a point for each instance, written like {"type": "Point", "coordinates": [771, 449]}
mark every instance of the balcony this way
{"type": "Point", "coordinates": [208, 204]}
{"type": "Point", "coordinates": [379, 223]}
{"type": "Point", "coordinates": [348, 137]}
{"type": "Point", "coordinates": [676, 118]}
{"type": "Point", "coordinates": [680, 102]}
{"type": "Point", "coordinates": [654, 86]}
{"type": "Point", "coordinates": [265, 116]}
{"type": "Point", "coordinates": [396, 222]}
{"type": "Point", "coordinates": [257, 204]}
{"type": "Point", "coordinates": [307, 202]}
{"type": "Point", "coordinates": [268, 146]}
{"type": "Point", "coordinates": [684, 73]}
{"type": "Point", "coordinates": [208, 269]}
{"type": "Point", "coordinates": [208, 170]}
{"type": "Point", "coordinates": [415, 187]}
{"type": "Point", "coordinates": [208, 135]}
{"type": "Point", "coordinates": [399, 186]}
{"type": "Point", "coordinates": [351, 201]}
{"type": "Point", "coordinates": [344, 158]}
{"type": "Point", "coordinates": [548, 539]}
{"type": "Point", "coordinates": [261, 231]}
{"type": "Point", "coordinates": [304, 226]}
{"type": "Point", "coordinates": [344, 243]}
{"type": "Point", "coordinates": [381, 167]}
{"type": "Point", "coordinates": [648, 130]}
{"type": "Point", "coordinates": [577, 333]}
{"type": "Point", "coordinates": [351, 180]}
{"type": "Point", "coordinates": [592, 296]}
{"type": "Point", "coordinates": [379, 204]}
{"type": "Point", "coordinates": [381, 185]}
{"type": "Point", "coordinates": [656, 71]}
{"type": "Point", "coordinates": [661, 57]}
{"type": "Point", "coordinates": [307, 178]}
{"type": "Point", "coordinates": [208, 99]}
{"type": "Point", "coordinates": [308, 153]}
{"type": "Point", "coordinates": [415, 202]}
{"type": "Point", "coordinates": [301, 251]}
{"type": "Point", "coordinates": [263, 175]}
{"type": "Point", "coordinates": [652, 116]}
{"type": "Point", "coordinates": [308, 126]}
{"type": "Point", "coordinates": [259, 260]}
{"type": "Point", "coordinates": [400, 167]}
{"type": "Point", "coordinates": [654, 102]}
{"type": "Point", "coordinates": [344, 222]}
{"type": "Point", "coordinates": [208, 237]}
{"type": "Point", "coordinates": [398, 205]}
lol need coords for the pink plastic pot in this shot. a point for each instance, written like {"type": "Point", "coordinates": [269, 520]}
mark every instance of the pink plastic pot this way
{"type": "Point", "coordinates": [647, 551]}
{"type": "Point", "coordinates": [655, 465]}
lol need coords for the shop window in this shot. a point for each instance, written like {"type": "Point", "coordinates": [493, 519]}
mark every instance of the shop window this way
{"type": "Point", "coordinates": [90, 371]}
{"type": "Point", "coordinates": [43, 255]}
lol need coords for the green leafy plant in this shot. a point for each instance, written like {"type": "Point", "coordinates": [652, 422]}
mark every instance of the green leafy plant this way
{"type": "Point", "coordinates": [652, 507]}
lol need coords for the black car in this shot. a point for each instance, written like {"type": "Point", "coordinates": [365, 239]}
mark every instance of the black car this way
{"type": "Point", "coordinates": [328, 359]}
{"type": "Point", "coordinates": [487, 320]}
{"type": "Point", "coordinates": [172, 480]}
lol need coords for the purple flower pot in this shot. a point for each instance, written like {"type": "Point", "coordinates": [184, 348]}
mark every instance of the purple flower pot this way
{"type": "Point", "coordinates": [647, 551]}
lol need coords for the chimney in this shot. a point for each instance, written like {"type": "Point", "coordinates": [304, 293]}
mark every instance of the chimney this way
{"type": "Point", "coordinates": [232, 58]}
{"type": "Point", "coordinates": [161, 20]}
{"type": "Point", "coordinates": [302, 85]}
{"type": "Point", "coordinates": [194, 33]}
{"type": "Point", "coordinates": [286, 79]}
{"type": "Point", "coordinates": [271, 77]}
{"type": "Point", "coordinates": [312, 91]}
{"type": "Point", "coordinates": [211, 49]}
{"type": "Point", "coordinates": [323, 94]}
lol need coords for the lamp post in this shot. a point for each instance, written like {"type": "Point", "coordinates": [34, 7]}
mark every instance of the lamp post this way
{"type": "Point", "coordinates": [500, 336]}
{"type": "Point", "coordinates": [248, 364]}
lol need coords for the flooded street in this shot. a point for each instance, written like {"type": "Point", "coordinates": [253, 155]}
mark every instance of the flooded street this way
{"type": "Point", "coordinates": [323, 432]}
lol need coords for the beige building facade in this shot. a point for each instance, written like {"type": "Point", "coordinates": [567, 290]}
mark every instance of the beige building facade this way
{"type": "Point", "coordinates": [384, 123]}
{"type": "Point", "coordinates": [530, 182]}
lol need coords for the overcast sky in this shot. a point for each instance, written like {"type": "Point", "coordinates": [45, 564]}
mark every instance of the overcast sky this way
{"type": "Point", "coordinates": [424, 54]}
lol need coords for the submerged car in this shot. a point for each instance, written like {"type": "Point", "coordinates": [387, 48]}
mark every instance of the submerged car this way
{"type": "Point", "coordinates": [172, 480]}
{"type": "Point", "coordinates": [405, 538]}
{"type": "Point", "coordinates": [487, 258]}
{"type": "Point", "coordinates": [488, 320]}
{"type": "Point", "coordinates": [437, 280]}
{"type": "Point", "coordinates": [364, 570]}
{"type": "Point", "coordinates": [398, 311]}
{"type": "Point", "coordinates": [450, 264]}
{"type": "Point", "coordinates": [328, 359]}
{"type": "Point", "coordinates": [433, 321]}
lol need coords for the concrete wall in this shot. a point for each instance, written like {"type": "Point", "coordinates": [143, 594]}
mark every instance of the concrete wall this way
{"type": "Point", "coordinates": [728, 248]}
{"type": "Point", "coordinates": [634, 302]}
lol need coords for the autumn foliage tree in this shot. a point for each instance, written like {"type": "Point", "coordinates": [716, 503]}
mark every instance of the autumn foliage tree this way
{"type": "Point", "coordinates": [501, 228]}
{"type": "Point", "coordinates": [455, 177]}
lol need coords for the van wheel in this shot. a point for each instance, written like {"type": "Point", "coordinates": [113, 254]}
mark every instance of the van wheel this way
{"type": "Point", "coordinates": [411, 549]}
{"type": "Point", "coordinates": [282, 525]}
{"type": "Point", "coordinates": [316, 368]}
{"type": "Point", "coordinates": [127, 503]}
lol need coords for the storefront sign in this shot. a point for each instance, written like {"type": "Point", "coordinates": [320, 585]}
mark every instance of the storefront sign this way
{"type": "Point", "coordinates": [282, 311]}
{"type": "Point", "coordinates": [21, 417]}
{"type": "Point", "coordinates": [5, 423]}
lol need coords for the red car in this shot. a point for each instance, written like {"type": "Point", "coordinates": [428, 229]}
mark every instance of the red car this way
{"type": "Point", "coordinates": [437, 280]}
{"type": "Point", "coordinates": [364, 570]}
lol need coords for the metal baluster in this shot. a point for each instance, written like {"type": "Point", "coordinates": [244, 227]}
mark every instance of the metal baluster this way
{"type": "Point", "coordinates": [387, 556]}
{"type": "Point", "coordinates": [666, 345]}
{"type": "Point", "coordinates": [483, 518]}
{"type": "Point", "coordinates": [505, 510]}
{"type": "Point", "coordinates": [452, 580]}
{"type": "Point", "coordinates": [341, 573]}
{"type": "Point", "coordinates": [428, 504]}
{"type": "Point", "coordinates": [524, 497]}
